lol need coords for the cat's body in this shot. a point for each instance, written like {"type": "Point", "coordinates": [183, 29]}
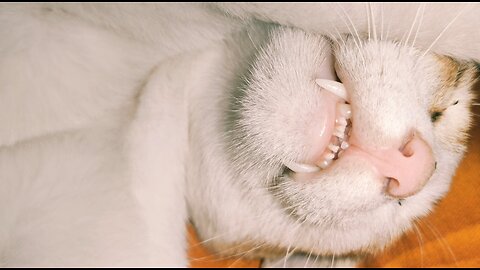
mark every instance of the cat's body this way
{"type": "Point", "coordinates": [111, 115]}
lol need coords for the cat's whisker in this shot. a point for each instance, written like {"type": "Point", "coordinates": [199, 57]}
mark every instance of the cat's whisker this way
{"type": "Point", "coordinates": [232, 231]}
{"type": "Point", "coordinates": [333, 261]}
{"type": "Point", "coordinates": [316, 259]}
{"type": "Point", "coordinates": [423, 5]}
{"type": "Point", "coordinates": [351, 23]}
{"type": "Point", "coordinates": [252, 41]}
{"type": "Point", "coordinates": [419, 236]}
{"type": "Point", "coordinates": [356, 36]}
{"type": "Point", "coordinates": [374, 28]}
{"type": "Point", "coordinates": [337, 33]}
{"type": "Point", "coordinates": [288, 254]}
{"type": "Point", "coordinates": [217, 257]}
{"type": "Point", "coordinates": [445, 244]}
{"type": "Point", "coordinates": [413, 25]}
{"type": "Point", "coordinates": [388, 30]}
{"type": "Point", "coordinates": [381, 26]}
{"type": "Point", "coordinates": [368, 20]}
{"type": "Point", "coordinates": [308, 258]}
{"type": "Point", "coordinates": [445, 29]}
{"type": "Point", "coordinates": [244, 254]}
{"type": "Point", "coordinates": [208, 240]}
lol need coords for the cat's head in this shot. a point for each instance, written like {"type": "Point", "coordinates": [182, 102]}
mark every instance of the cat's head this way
{"type": "Point", "coordinates": [402, 114]}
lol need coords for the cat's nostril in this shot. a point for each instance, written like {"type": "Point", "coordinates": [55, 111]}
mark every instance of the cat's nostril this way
{"type": "Point", "coordinates": [407, 150]}
{"type": "Point", "coordinates": [391, 184]}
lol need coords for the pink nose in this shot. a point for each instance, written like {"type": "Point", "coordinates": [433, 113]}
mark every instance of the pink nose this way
{"type": "Point", "coordinates": [407, 169]}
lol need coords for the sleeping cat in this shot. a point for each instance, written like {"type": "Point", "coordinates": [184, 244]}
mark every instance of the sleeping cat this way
{"type": "Point", "coordinates": [277, 129]}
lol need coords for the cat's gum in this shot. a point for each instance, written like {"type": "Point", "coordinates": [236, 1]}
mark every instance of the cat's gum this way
{"type": "Point", "coordinates": [323, 127]}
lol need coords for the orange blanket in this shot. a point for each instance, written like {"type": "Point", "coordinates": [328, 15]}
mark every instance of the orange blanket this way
{"type": "Point", "coordinates": [450, 237]}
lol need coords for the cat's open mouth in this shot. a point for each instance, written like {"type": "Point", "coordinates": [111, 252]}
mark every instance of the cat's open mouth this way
{"type": "Point", "coordinates": [331, 131]}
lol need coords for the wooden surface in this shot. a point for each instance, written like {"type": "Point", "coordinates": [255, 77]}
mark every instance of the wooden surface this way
{"type": "Point", "coordinates": [449, 237]}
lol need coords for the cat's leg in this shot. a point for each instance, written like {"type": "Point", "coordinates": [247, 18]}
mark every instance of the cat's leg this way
{"type": "Point", "coordinates": [66, 200]}
{"type": "Point", "coordinates": [104, 196]}
{"type": "Point", "coordinates": [156, 148]}
{"type": "Point", "coordinates": [117, 199]}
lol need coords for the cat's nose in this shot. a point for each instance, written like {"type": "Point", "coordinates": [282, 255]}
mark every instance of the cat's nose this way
{"type": "Point", "coordinates": [416, 165]}
{"type": "Point", "coordinates": [405, 170]}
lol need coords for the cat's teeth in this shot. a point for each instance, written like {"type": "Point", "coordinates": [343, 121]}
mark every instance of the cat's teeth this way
{"type": "Point", "coordinates": [340, 128]}
{"type": "Point", "coordinates": [333, 148]}
{"type": "Point", "coordinates": [302, 168]}
{"type": "Point", "coordinates": [344, 145]}
{"type": "Point", "coordinates": [329, 156]}
{"type": "Point", "coordinates": [334, 87]}
{"type": "Point", "coordinates": [345, 110]}
{"type": "Point", "coordinates": [325, 163]}
{"type": "Point", "coordinates": [341, 121]}
{"type": "Point", "coordinates": [339, 134]}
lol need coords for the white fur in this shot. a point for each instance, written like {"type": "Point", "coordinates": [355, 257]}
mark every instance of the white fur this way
{"type": "Point", "coordinates": [104, 106]}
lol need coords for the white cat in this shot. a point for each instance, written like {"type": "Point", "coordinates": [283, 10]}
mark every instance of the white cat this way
{"type": "Point", "coordinates": [119, 122]}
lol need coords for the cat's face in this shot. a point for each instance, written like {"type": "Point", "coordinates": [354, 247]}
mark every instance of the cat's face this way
{"type": "Point", "coordinates": [406, 115]}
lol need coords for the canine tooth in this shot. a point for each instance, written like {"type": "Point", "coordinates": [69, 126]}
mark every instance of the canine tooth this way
{"type": "Point", "coordinates": [344, 145]}
{"type": "Point", "coordinates": [333, 147]}
{"type": "Point", "coordinates": [334, 87]}
{"type": "Point", "coordinates": [302, 168]}
{"type": "Point", "coordinates": [345, 110]}
{"type": "Point", "coordinates": [324, 164]}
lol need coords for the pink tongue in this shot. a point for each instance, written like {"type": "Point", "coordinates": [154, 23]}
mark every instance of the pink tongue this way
{"type": "Point", "coordinates": [322, 128]}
